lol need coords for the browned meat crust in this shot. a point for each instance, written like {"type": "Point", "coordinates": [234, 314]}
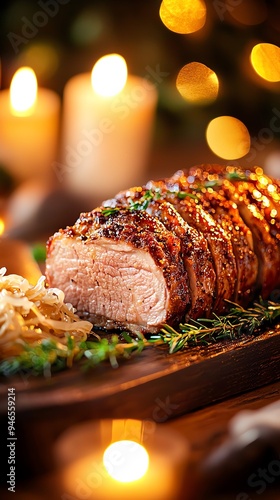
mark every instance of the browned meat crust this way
{"type": "Point", "coordinates": [138, 231]}
{"type": "Point", "coordinates": [217, 238]}
{"type": "Point", "coordinates": [226, 214]}
{"type": "Point", "coordinates": [255, 208]}
{"type": "Point", "coordinates": [174, 249]}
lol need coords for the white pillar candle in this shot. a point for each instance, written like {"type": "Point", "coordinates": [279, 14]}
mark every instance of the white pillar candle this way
{"type": "Point", "coordinates": [29, 121]}
{"type": "Point", "coordinates": [106, 137]}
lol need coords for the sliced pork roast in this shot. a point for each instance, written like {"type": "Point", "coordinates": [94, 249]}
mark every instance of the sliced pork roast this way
{"type": "Point", "coordinates": [258, 201]}
{"type": "Point", "coordinates": [171, 250]}
{"type": "Point", "coordinates": [124, 269]}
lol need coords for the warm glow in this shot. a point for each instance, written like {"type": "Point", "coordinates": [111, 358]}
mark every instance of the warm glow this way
{"type": "Point", "coordinates": [248, 12]}
{"type": "Point", "coordinates": [23, 90]}
{"type": "Point", "coordinates": [265, 59]}
{"type": "Point", "coordinates": [2, 227]}
{"type": "Point", "coordinates": [197, 83]}
{"type": "Point", "coordinates": [109, 75]}
{"type": "Point", "coordinates": [228, 137]}
{"type": "Point", "coordinates": [183, 16]}
{"type": "Point", "coordinates": [126, 461]}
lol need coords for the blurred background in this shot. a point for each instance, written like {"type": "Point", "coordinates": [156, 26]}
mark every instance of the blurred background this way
{"type": "Point", "coordinates": [77, 34]}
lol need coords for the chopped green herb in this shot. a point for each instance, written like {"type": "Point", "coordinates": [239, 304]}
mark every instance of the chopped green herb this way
{"type": "Point", "coordinates": [184, 194]}
{"type": "Point", "coordinates": [39, 252]}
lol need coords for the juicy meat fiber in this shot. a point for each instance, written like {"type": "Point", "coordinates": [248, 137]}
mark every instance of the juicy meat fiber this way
{"type": "Point", "coordinates": [172, 250]}
{"type": "Point", "coordinates": [125, 270]}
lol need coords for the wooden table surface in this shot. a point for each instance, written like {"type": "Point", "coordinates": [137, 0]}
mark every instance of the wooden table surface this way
{"type": "Point", "coordinates": [204, 429]}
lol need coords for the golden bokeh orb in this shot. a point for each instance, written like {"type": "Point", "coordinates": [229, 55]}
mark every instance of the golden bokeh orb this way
{"type": "Point", "coordinates": [228, 137]}
{"type": "Point", "coordinates": [183, 16]}
{"type": "Point", "coordinates": [265, 59]}
{"type": "Point", "coordinates": [197, 83]}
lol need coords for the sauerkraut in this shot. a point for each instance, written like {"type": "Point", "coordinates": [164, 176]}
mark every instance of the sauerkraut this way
{"type": "Point", "coordinates": [29, 314]}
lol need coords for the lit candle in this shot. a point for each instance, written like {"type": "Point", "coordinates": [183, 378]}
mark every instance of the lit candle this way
{"type": "Point", "coordinates": [29, 121]}
{"type": "Point", "coordinates": [126, 459]}
{"type": "Point", "coordinates": [107, 126]}
{"type": "Point", "coordinates": [2, 226]}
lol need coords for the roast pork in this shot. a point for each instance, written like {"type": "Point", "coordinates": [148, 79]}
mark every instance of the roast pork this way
{"type": "Point", "coordinates": [171, 250]}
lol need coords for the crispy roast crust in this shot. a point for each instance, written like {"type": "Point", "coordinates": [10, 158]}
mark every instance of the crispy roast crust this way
{"type": "Point", "coordinates": [212, 232]}
{"type": "Point", "coordinates": [218, 239]}
{"type": "Point", "coordinates": [226, 214]}
{"type": "Point", "coordinates": [141, 231]}
{"type": "Point", "coordinates": [255, 195]}
{"type": "Point", "coordinates": [196, 256]}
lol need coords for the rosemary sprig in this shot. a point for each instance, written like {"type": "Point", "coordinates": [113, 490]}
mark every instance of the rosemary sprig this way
{"type": "Point", "coordinates": [235, 324]}
{"type": "Point", "coordinates": [50, 355]}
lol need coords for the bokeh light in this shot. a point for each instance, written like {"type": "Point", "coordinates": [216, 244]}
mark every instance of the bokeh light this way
{"type": "Point", "coordinates": [126, 461]}
{"type": "Point", "coordinates": [88, 26]}
{"type": "Point", "coordinates": [197, 83]}
{"type": "Point", "coordinates": [43, 57]}
{"type": "Point", "coordinates": [183, 16]}
{"type": "Point", "coordinates": [109, 75]}
{"type": "Point", "coordinates": [228, 137]}
{"type": "Point", "coordinates": [247, 12]}
{"type": "Point", "coordinates": [265, 59]}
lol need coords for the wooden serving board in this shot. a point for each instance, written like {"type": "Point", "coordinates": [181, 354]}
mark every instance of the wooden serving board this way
{"type": "Point", "coordinates": [148, 382]}
{"type": "Point", "coordinates": [154, 385]}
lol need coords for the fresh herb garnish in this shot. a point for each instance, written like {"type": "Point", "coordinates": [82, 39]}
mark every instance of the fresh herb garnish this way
{"type": "Point", "coordinates": [236, 323]}
{"type": "Point", "coordinates": [182, 195]}
{"type": "Point", "coordinates": [236, 176]}
{"type": "Point", "coordinates": [39, 252]}
{"type": "Point", "coordinates": [107, 211]}
{"type": "Point", "coordinates": [154, 194]}
{"type": "Point", "coordinates": [50, 355]}
{"type": "Point", "coordinates": [141, 204]}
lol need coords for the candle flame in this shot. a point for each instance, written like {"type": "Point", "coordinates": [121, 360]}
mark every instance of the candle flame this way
{"type": "Point", "coordinates": [2, 227]}
{"type": "Point", "coordinates": [126, 461]}
{"type": "Point", "coordinates": [109, 75]}
{"type": "Point", "coordinates": [23, 91]}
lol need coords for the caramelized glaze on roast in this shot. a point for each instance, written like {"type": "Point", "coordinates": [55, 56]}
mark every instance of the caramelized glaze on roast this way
{"type": "Point", "coordinates": [171, 250]}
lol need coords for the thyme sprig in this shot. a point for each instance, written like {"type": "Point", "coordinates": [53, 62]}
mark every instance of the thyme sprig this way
{"type": "Point", "coordinates": [237, 323]}
{"type": "Point", "coordinates": [50, 356]}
